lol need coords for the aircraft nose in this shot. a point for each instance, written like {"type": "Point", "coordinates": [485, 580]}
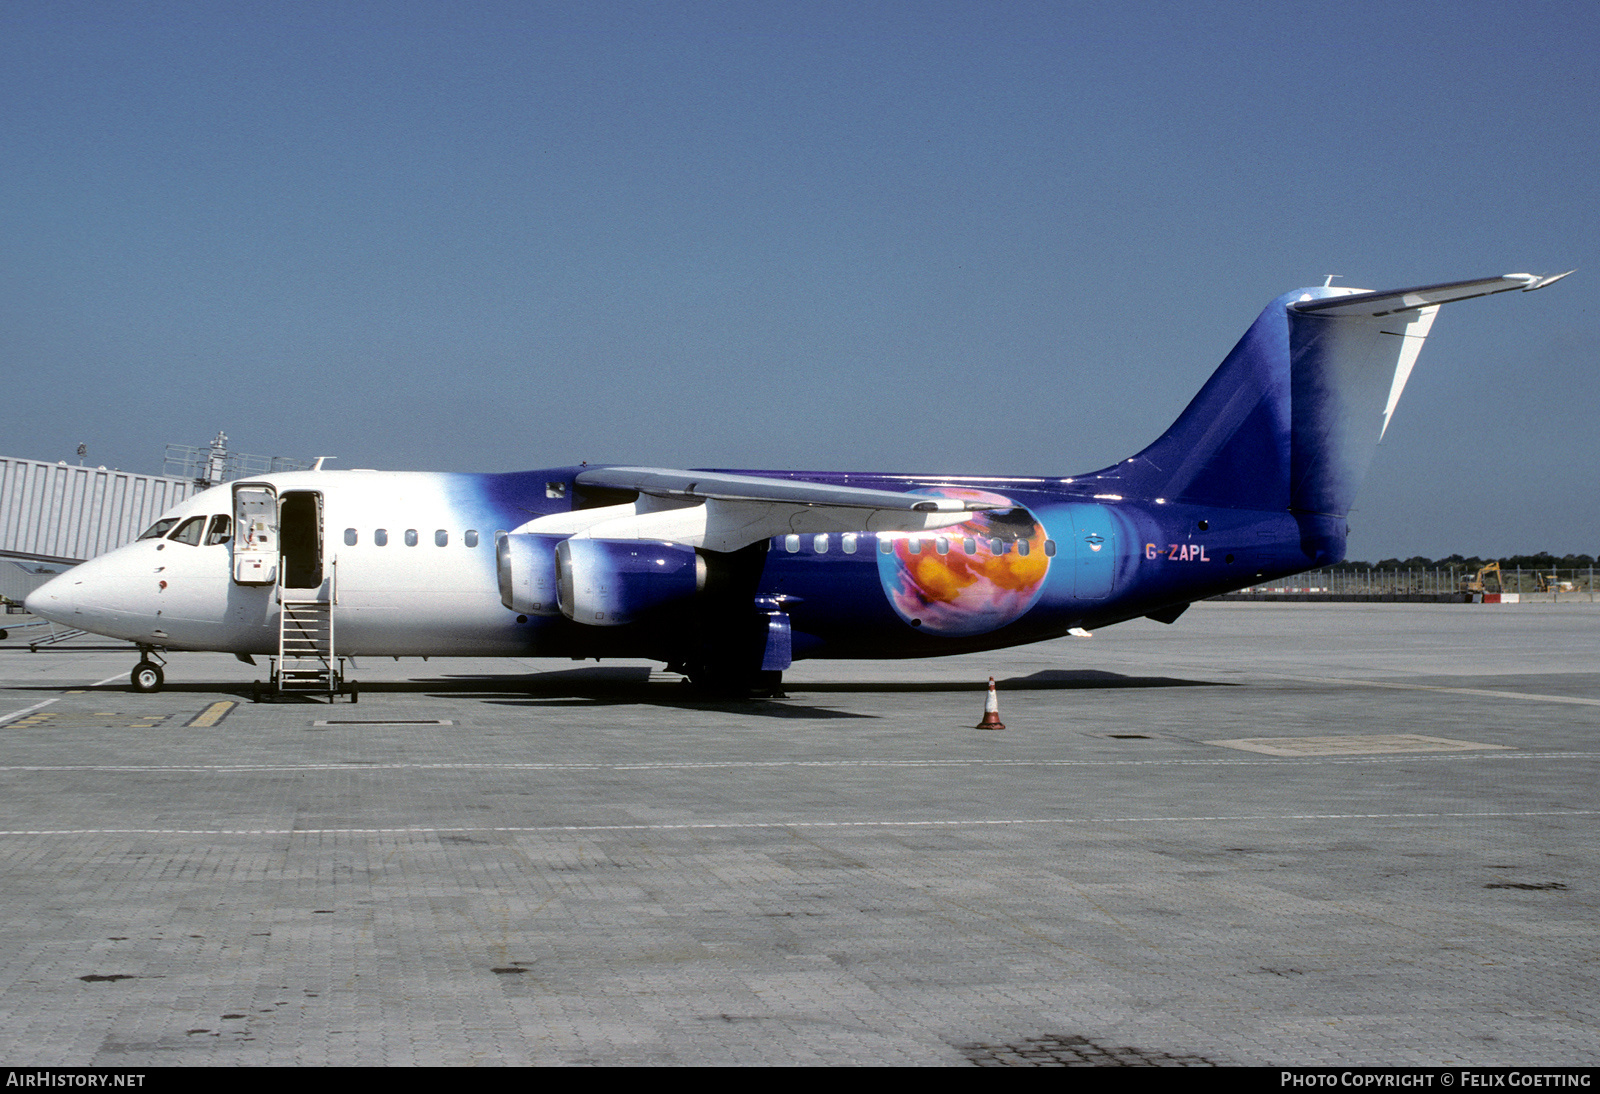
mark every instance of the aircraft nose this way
{"type": "Point", "coordinates": [53, 600]}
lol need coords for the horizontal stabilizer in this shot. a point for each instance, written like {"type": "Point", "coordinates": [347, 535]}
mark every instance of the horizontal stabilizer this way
{"type": "Point", "coordinates": [1291, 418]}
{"type": "Point", "coordinates": [1390, 301]}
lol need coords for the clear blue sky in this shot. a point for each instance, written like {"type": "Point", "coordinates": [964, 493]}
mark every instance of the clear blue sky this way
{"type": "Point", "coordinates": [981, 237]}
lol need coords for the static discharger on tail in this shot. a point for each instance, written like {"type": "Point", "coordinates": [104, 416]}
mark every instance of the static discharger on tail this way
{"type": "Point", "coordinates": [730, 576]}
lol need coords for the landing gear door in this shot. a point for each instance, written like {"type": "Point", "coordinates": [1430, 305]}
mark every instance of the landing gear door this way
{"type": "Point", "coordinates": [255, 540]}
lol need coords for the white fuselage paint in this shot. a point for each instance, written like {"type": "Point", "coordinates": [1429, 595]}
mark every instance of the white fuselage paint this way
{"type": "Point", "coordinates": [390, 600]}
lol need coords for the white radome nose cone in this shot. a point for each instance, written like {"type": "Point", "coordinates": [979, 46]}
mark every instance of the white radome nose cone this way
{"type": "Point", "coordinates": [53, 600]}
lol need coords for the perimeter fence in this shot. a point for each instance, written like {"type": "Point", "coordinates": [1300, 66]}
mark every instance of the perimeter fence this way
{"type": "Point", "coordinates": [1441, 583]}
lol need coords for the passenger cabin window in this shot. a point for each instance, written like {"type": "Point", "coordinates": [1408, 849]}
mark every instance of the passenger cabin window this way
{"type": "Point", "coordinates": [159, 528]}
{"type": "Point", "coordinates": [791, 543]}
{"type": "Point", "coordinates": [998, 546]}
{"type": "Point", "coordinates": [1049, 548]}
{"type": "Point", "coordinates": [969, 545]}
{"type": "Point", "coordinates": [471, 538]}
{"type": "Point", "coordinates": [350, 537]}
{"type": "Point", "coordinates": [411, 537]}
{"type": "Point", "coordinates": [221, 530]}
{"type": "Point", "coordinates": [441, 538]}
{"type": "Point", "coordinates": [915, 546]}
{"type": "Point", "coordinates": [885, 546]}
{"type": "Point", "coordinates": [819, 544]}
{"type": "Point", "coordinates": [1022, 547]}
{"type": "Point", "coordinates": [848, 543]}
{"type": "Point", "coordinates": [941, 544]}
{"type": "Point", "coordinates": [380, 537]}
{"type": "Point", "coordinates": [189, 531]}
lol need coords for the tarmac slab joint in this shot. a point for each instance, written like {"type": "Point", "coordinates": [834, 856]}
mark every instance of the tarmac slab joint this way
{"type": "Point", "coordinates": [1353, 745]}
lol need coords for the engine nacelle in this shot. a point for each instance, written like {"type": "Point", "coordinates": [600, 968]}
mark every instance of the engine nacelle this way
{"type": "Point", "coordinates": [526, 566]}
{"type": "Point", "coordinates": [609, 582]}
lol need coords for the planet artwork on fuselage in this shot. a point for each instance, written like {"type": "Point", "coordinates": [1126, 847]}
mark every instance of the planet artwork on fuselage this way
{"type": "Point", "coordinates": [972, 578]}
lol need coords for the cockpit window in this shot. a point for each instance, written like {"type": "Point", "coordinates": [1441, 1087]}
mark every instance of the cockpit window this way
{"type": "Point", "coordinates": [159, 528]}
{"type": "Point", "coordinates": [189, 531]}
{"type": "Point", "coordinates": [221, 530]}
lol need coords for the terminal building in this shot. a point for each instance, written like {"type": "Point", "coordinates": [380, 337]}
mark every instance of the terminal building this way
{"type": "Point", "coordinates": [55, 515]}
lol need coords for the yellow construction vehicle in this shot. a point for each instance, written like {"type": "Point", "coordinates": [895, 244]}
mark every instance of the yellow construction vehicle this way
{"type": "Point", "coordinates": [1552, 583]}
{"type": "Point", "coordinates": [1475, 583]}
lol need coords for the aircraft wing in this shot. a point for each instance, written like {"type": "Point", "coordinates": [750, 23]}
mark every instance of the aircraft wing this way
{"type": "Point", "coordinates": [722, 512]}
{"type": "Point", "coordinates": [704, 485]}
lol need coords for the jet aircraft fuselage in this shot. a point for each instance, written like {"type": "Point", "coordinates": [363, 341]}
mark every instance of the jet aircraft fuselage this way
{"type": "Point", "coordinates": [409, 560]}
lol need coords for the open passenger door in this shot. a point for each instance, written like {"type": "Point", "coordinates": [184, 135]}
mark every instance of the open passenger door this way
{"type": "Point", "coordinates": [255, 539]}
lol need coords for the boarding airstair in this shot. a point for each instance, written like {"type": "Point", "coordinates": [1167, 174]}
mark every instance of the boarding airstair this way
{"type": "Point", "coordinates": [278, 546]}
{"type": "Point", "coordinates": [307, 663]}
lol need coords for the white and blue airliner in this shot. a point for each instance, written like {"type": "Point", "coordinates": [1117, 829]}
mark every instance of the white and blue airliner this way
{"type": "Point", "coordinates": [730, 575]}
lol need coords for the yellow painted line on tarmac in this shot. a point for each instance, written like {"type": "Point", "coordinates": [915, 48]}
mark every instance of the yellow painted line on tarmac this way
{"type": "Point", "coordinates": [25, 711]}
{"type": "Point", "coordinates": [15, 714]}
{"type": "Point", "coordinates": [211, 715]}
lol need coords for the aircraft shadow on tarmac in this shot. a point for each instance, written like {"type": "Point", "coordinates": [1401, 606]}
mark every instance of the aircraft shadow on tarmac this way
{"type": "Point", "coordinates": [588, 687]}
{"type": "Point", "coordinates": [633, 686]}
{"type": "Point", "coordinates": [1046, 680]}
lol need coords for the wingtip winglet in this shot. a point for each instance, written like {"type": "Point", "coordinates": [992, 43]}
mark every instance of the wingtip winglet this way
{"type": "Point", "coordinates": [1541, 282]}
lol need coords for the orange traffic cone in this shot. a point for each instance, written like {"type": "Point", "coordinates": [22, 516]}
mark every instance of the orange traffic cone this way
{"type": "Point", "coordinates": [991, 710]}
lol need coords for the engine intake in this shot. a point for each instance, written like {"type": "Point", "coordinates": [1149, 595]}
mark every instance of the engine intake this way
{"type": "Point", "coordinates": [526, 566]}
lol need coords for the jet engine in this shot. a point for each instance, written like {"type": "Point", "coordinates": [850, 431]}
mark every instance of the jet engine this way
{"type": "Point", "coordinates": [609, 582]}
{"type": "Point", "coordinates": [526, 565]}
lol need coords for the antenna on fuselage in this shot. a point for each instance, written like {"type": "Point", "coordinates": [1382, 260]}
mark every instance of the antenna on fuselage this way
{"type": "Point", "coordinates": [1328, 284]}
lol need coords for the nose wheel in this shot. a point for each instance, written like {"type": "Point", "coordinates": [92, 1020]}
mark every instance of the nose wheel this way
{"type": "Point", "coordinates": [147, 677]}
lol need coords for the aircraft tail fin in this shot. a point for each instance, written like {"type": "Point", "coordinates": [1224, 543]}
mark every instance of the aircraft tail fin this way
{"type": "Point", "coordinates": [1291, 418]}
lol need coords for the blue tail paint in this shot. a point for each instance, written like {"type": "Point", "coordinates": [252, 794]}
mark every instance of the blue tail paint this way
{"type": "Point", "coordinates": [1268, 430]}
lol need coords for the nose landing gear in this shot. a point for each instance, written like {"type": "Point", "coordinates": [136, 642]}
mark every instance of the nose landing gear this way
{"type": "Point", "coordinates": [147, 676]}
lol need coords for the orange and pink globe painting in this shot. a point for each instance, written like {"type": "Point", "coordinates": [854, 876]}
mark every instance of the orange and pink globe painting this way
{"type": "Point", "coordinates": [971, 578]}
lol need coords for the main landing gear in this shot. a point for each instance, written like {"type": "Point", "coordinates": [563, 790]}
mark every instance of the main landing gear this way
{"type": "Point", "coordinates": [147, 676]}
{"type": "Point", "coordinates": [727, 682]}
